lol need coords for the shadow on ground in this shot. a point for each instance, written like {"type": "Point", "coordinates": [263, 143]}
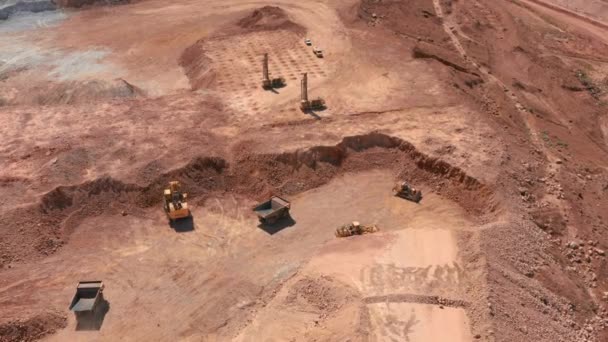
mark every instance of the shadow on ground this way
{"type": "Point", "coordinates": [183, 225]}
{"type": "Point", "coordinates": [277, 226]}
{"type": "Point", "coordinates": [314, 112]}
{"type": "Point", "coordinates": [93, 320]}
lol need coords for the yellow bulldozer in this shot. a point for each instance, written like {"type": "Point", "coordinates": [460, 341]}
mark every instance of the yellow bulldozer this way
{"type": "Point", "coordinates": [355, 228]}
{"type": "Point", "coordinates": [174, 200]}
{"type": "Point", "coordinates": [404, 190]}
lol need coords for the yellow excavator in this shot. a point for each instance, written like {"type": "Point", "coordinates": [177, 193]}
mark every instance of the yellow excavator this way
{"type": "Point", "coordinates": [175, 203]}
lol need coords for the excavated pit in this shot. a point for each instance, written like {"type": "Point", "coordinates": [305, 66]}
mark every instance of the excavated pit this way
{"type": "Point", "coordinates": [45, 227]}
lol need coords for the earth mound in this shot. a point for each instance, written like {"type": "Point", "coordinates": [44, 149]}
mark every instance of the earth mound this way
{"type": "Point", "coordinates": [73, 92]}
{"type": "Point", "coordinates": [33, 328]}
{"type": "Point", "coordinates": [268, 18]}
{"type": "Point", "coordinates": [197, 66]}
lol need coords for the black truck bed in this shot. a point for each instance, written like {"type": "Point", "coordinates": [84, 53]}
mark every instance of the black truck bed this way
{"type": "Point", "coordinates": [87, 295]}
{"type": "Point", "coordinates": [268, 208]}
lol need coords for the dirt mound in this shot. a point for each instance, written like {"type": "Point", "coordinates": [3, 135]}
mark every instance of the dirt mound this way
{"type": "Point", "coordinates": [65, 197]}
{"type": "Point", "coordinates": [47, 226]}
{"type": "Point", "coordinates": [268, 18]}
{"type": "Point", "coordinates": [33, 328]}
{"type": "Point", "coordinates": [200, 176]}
{"type": "Point", "coordinates": [197, 66]}
{"type": "Point", "coordinates": [324, 295]}
{"type": "Point", "coordinates": [42, 229]}
{"type": "Point", "coordinates": [75, 92]}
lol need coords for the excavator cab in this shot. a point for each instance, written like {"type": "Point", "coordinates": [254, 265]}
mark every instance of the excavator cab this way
{"type": "Point", "coordinates": [175, 204]}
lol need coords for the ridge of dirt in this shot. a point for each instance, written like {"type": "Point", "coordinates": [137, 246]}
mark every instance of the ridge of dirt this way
{"type": "Point", "coordinates": [71, 92]}
{"type": "Point", "coordinates": [268, 18]}
{"type": "Point", "coordinates": [426, 50]}
{"type": "Point", "coordinates": [32, 328]}
{"type": "Point", "coordinates": [197, 66]}
{"type": "Point", "coordinates": [45, 227]}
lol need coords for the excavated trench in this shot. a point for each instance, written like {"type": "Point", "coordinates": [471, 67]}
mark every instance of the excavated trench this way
{"type": "Point", "coordinates": [47, 225]}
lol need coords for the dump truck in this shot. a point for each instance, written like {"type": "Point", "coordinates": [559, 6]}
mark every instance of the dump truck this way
{"type": "Point", "coordinates": [88, 296]}
{"type": "Point", "coordinates": [404, 190]}
{"type": "Point", "coordinates": [355, 228]}
{"type": "Point", "coordinates": [272, 210]}
{"type": "Point", "coordinates": [308, 42]}
{"type": "Point", "coordinates": [174, 200]}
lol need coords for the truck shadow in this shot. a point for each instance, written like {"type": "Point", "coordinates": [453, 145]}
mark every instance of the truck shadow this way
{"type": "Point", "coordinates": [183, 225]}
{"type": "Point", "coordinates": [276, 227]}
{"type": "Point", "coordinates": [93, 320]}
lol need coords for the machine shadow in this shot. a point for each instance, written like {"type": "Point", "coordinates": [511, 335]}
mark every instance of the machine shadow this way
{"type": "Point", "coordinates": [183, 225]}
{"type": "Point", "coordinates": [93, 320]}
{"type": "Point", "coordinates": [276, 227]}
{"type": "Point", "coordinates": [313, 114]}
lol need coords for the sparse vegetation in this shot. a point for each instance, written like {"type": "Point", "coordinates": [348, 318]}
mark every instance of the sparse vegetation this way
{"type": "Point", "coordinates": [588, 83]}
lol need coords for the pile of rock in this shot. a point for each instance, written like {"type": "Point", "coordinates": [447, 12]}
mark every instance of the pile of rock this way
{"type": "Point", "coordinates": [582, 254]}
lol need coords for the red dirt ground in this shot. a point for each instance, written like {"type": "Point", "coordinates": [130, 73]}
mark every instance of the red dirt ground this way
{"type": "Point", "coordinates": [497, 110]}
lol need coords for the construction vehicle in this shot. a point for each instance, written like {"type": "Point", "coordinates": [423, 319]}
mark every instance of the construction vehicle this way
{"type": "Point", "coordinates": [308, 105]}
{"type": "Point", "coordinates": [267, 82]}
{"type": "Point", "coordinates": [403, 190]}
{"type": "Point", "coordinates": [317, 51]}
{"type": "Point", "coordinates": [272, 210]}
{"type": "Point", "coordinates": [87, 298]}
{"type": "Point", "coordinates": [355, 228]}
{"type": "Point", "coordinates": [307, 42]}
{"type": "Point", "coordinates": [175, 204]}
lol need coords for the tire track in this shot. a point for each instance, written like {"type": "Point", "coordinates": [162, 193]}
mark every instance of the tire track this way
{"type": "Point", "coordinates": [416, 299]}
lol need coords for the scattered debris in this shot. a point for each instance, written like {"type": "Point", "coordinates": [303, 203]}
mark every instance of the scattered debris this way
{"type": "Point", "coordinates": [355, 228]}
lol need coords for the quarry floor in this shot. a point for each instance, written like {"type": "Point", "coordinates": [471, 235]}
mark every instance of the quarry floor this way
{"type": "Point", "coordinates": [86, 95]}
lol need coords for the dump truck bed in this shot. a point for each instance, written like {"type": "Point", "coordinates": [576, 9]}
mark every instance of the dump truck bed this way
{"type": "Point", "coordinates": [87, 295]}
{"type": "Point", "coordinates": [270, 207]}
{"type": "Point", "coordinates": [84, 304]}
